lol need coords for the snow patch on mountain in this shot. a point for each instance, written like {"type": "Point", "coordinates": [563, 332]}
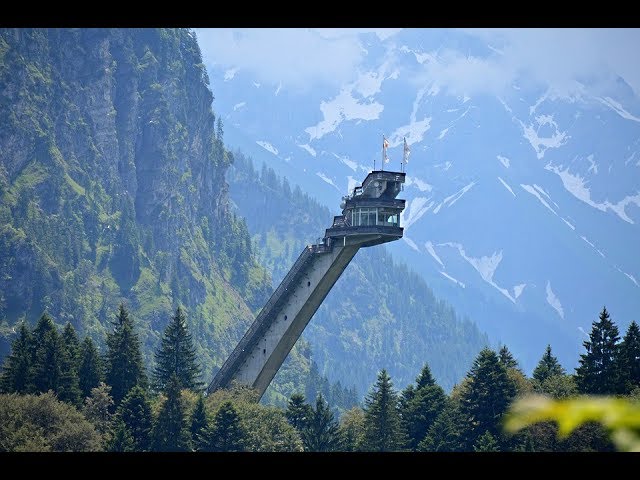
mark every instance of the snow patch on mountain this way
{"type": "Point", "coordinates": [593, 166]}
{"type": "Point", "coordinates": [534, 107]}
{"type": "Point", "coordinates": [327, 179]}
{"type": "Point", "coordinates": [414, 132]}
{"type": "Point", "coordinates": [421, 57]}
{"type": "Point", "coordinates": [458, 195]}
{"type": "Point", "coordinates": [238, 106]}
{"type": "Point", "coordinates": [458, 282]}
{"type": "Point", "coordinates": [632, 278]}
{"type": "Point", "coordinates": [443, 133]}
{"type": "Point", "coordinates": [506, 186]}
{"type": "Point", "coordinates": [576, 185]}
{"type": "Point", "coordinates": [541, 190]}
{"type": "Point", "coordinates": [267, 146]}
{"type": "Point", "coordinates": [485, 266]}
{"type": "Point", "coordinates": [570, 225]}
{"type": "Point", "coordinates": [278, 89]}
{"type": "Point", "coordinates": [504, 160]}
{"type": "Point", "coordinates": [544, 192]}
{"type": "Point", "coordinates": [309, 149]}
{"type": "Point", "coordinates": [417, 208]}
{"type": "Point", "coordinates": [229, 74]}
{"type": "Point", "coordinates": [411, 243]}
{"type": "Point", "coordinates": [617, 107]}
{"type": "Point", "coordinates": [593, 246]}
{"type": "Point", "coordinates": [451, 199]}
{"type": "Point", "coordinates": [349, 163]}
{"type": "Point", "coordinates": [554, 301]}
{"type": "Point", "coordinates": [429, 246]}
{"type": "Point", "coordinates": [517, 290]}
{"type": "Point", "coordinates": [542, 144]}
{"type": "Point", "coordinates": [535, 193]}
{"type": "Point", "coordinates": [504, 104]}
{"type": "Point", "coordinates": [444, 166]}
{"type": "Point", "coordinates": [343, 107]}
{"type": "Point", "coordinates": [370, 83]}
{"type": "Point", "coordinates": [586, 240]}
{"type": "Point", "coordinates": [419, 184]}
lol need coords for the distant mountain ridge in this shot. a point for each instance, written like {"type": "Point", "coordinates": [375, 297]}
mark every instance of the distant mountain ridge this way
{"type": "Point", "coordinates": [523, 207]}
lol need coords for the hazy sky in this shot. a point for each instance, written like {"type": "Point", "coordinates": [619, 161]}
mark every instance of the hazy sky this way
{"type": "Point", "coordinates": [555, 58]}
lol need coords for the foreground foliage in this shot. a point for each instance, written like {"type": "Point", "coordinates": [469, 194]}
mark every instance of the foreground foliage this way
{"type": "Point", "coordinates": [619, 416]}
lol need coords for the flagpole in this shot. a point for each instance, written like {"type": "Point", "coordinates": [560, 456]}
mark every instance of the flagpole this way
{"type": "Point", "coordinates": [405, 153]}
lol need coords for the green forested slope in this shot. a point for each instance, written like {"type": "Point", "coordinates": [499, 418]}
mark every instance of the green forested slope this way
{"type": "Point", "coordinates": [112, 187]}
{"type": "Point", "coordinates": [378, 315]}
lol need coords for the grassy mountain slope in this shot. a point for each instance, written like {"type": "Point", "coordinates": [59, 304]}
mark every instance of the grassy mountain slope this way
{"type": "Point", "coordinates": [112, 188]}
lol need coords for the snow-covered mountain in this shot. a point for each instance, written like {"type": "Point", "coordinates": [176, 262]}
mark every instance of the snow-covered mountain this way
{"type": "Point", "coordinates": [523, 183]}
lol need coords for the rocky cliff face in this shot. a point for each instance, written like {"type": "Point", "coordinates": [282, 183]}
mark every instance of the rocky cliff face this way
{"type": "Point", "coordinates": [112, 187]}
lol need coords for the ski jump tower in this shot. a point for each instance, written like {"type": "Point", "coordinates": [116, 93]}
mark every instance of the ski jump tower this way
{"type": "Point", "coordinates": [370, 216]}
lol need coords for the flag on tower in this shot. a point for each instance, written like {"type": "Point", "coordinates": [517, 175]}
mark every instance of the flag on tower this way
{"type": "Point", "coordinates": [407, 151]}
{"type": "Point", "coordinates": [385, 145]}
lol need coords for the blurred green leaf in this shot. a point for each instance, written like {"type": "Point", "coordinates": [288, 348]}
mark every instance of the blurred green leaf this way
{"type": "Point", "coordinates": [620, 416]}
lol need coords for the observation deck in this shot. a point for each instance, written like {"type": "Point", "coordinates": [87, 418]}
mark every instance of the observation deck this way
{"type": "Point", "coordinates": [370, 216]}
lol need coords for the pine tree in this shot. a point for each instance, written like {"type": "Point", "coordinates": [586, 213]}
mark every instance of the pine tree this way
{"type": "Point", "coordinates": [486, 443]}
{"type": "Point", "coordinates": [598, 370]}
{"type": "Point", "coordinates": [487, 397]}
{"type": "Point", "coordinates": [90, 367]}
{"type": "Point", "coordinates": [298, 412]}
{"type": "Point", "coordinates": [425, 378]}
{"type": "Point", "coordinates": [225, 434]}
{"type": "Point", "coordinates": [177, 356]}
{"type": "Point", "coordinates": [383, 429]}
{"type": "Point", "coordinates": [124, 366]}
{"type": "Point", "coordinates": [419, 407]}
{"type": "Point", "coordinates": [321, 431]}
{"type": "Point", "coordinates": [629, 359]}
{"type": "Point", "coordinates": [42, 372]}
{"type": "Point", "coordinates": [171, 432]}
{"type": "Point", "coordinates": [198, 423]}
{"type": "Point", "coordinates": [507, 359]}
{"type": "Point", "coordinates": [16, 371]}
{"type": "Point", "coordinates": [548, 366]}
{"type": "Point", "coordinates": [122, 441]}
{"type": "Point", "coordinates": [444, 435]}
{"type": "Point", "coordinates": [71, 343]}
{"type": "Point", "coordinates": [69, 388]}
{"type": "Point", "coordinates": [135, 412]}
{"type": "Point", "coordinates": [49, 356]}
